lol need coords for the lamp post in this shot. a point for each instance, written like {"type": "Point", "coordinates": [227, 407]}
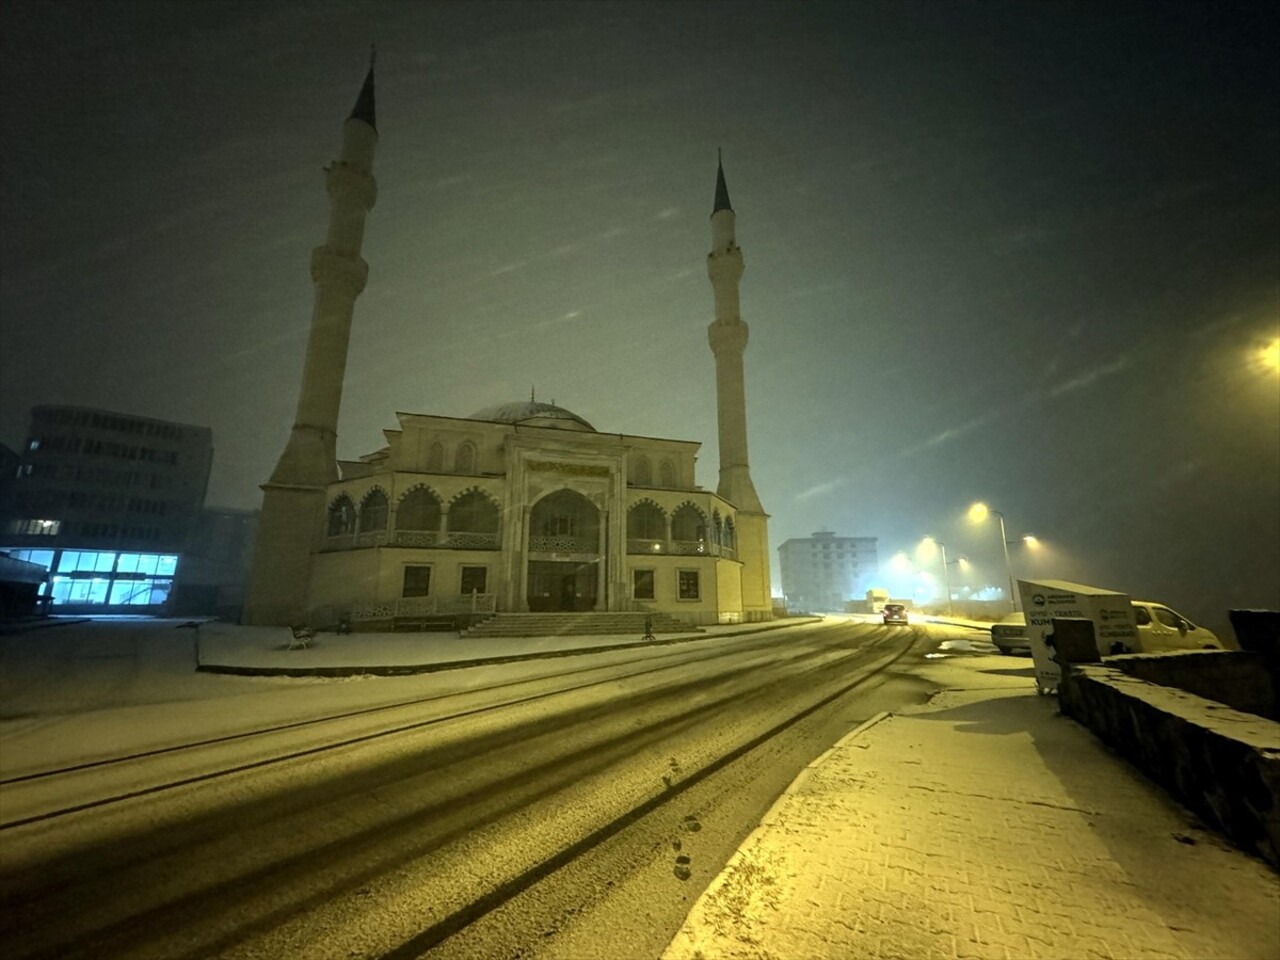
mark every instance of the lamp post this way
{"type": "Point", "coordinates": [946, 575]}
{"type": "Point", "coordinates": [978, 513]}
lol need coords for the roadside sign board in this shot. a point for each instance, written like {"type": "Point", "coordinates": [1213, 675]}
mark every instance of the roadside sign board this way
{"type": "Point", "coordinates": [1042, 600]}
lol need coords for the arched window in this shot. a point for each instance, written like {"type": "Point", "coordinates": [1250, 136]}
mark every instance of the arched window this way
{"type": "Point", "coordinates": [435, 458]}
{"type": "Point", "coordinates": [666, 475]}
{"type": "Point", "coordinates": [688, 525]}
{"type": "Point", "coordinates": [342, 517]}
{"type": "Point", "coordinates": [473, 512]}
{"type": "Point", "coordinates": [418, 510]}
{"type": "Point", "coordinates": [465, 459]}
{"type": "Point", "coordinates": [373, 511]}
{"type": "Point", "coordinates": [646, 521]}
{"type": "Point", "coordinates": [730, 534]}
{"type": "Point", "coordinates": [716, 528]}
{"type": "Point", "coordinates": [644, 472]}
{"type": "Point", "coordinates": [564, 520]}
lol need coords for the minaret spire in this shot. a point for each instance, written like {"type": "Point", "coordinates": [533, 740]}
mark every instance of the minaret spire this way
{"type": "Point", "coordinates": [293, 499]}
{"type": "Point", "coordinates": [727, 335]}
{"type": "Point", "coordinates": [722, 191]}
{"type": "Point", "coordinates": [364, 108]}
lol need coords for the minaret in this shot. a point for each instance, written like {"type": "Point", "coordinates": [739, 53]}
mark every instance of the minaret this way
{"type": "Point", "coordinates": [728, 337]}
{"type": "Point", "coordinates": [294, 498]}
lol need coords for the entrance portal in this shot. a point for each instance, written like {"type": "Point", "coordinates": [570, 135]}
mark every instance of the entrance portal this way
{"type": "Point", "coordinates": [561, 586]}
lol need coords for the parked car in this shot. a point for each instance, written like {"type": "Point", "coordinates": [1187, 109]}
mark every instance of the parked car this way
{"type": "Point", "coordinates": [1161, 628]}
{"type": "Point", "coordinates": [1010, 634]}
{"type": "Point", "coordinates": [894, 613]}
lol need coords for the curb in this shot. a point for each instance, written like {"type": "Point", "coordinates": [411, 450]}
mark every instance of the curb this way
{"type": "Point", "coordinates": [401, 670]}
{"type": "Point", "coordinates": [803, 776]}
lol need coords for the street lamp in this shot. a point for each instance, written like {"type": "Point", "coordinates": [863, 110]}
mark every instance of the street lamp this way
{"type": "Point", "coordinates": [946, 576]}
{"type": "Point", "coordinates": [977, 514]}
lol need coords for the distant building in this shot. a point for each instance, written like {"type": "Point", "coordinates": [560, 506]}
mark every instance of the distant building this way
{"type": "Point", "coordinates": [822, 572]}
{"type": "Point", "coordinates": [106, 502]}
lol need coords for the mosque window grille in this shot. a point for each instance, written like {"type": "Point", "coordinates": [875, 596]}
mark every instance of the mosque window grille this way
{"type": "Point", "coordinates": [435, 458]}
{"type": "Point", "coordinates": [643, 472]}
{"type": "Point", "coordinates": [342, 518]}
{"type": "Point", "coordinates": [465, 459]}
{"type": "Point", "coordinates": [666, 475]}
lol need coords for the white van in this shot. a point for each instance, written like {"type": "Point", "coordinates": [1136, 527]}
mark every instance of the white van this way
{"type": "Point", "coordinates": [1160, 628]}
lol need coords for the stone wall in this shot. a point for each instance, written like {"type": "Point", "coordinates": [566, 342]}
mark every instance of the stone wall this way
{"type": "Point", "coordinates": [1241, 679]}
{"type": "Point", "coordinates": [1224, 764]}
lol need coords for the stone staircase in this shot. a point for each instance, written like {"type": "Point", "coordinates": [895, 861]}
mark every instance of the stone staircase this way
{"type": "Point", "coordinates": [576, 625]}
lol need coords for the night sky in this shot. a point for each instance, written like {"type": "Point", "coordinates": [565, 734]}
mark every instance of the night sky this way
{"type": "Point", "coordinates": [1026, 253]}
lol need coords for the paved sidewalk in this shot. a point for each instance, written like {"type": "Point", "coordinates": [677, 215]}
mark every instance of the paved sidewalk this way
{"type": "Point", "coordinates": [983, 824]}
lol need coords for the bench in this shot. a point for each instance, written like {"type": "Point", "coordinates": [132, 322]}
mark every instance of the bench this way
{"type": "Point", "coordinates": [302, 637]}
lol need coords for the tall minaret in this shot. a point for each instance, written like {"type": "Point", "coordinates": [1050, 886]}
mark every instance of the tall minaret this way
{"type": "Point", "coordinates": [294, 498]}
{"type": "Point", "coordinates": [728, 337]}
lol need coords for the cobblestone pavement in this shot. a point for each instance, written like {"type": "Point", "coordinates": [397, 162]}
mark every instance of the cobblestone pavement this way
{"type": "Point", "coordinates": [983, 824]}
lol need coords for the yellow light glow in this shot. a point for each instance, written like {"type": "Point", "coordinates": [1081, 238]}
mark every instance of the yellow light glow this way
{"type": "Point", "coordinates": [979, 512]}
{"type": "Point", "coordinates": [1269, 356]}
{"type": "Point", "coordinates": [1031, 541]}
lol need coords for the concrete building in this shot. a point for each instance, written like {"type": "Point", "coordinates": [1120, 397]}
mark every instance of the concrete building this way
{"type": "Point", "coordinates": [106, 502]}
{"type": "Point", "coordinates": [822, 572]}
{"type": "Point", "coordinates": [520, 507]}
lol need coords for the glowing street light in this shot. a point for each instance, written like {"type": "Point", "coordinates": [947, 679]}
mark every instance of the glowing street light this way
{"type": "Point", "coordinates": [978, 513]}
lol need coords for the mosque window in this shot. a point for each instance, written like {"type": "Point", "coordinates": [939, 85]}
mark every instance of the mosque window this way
{"type": "Point", "coordinates": [465, 461]}
{"type": "Point", "coordinates": [644, 472]}
{"type": "Point", "coordinates": [646, 521]}
{"type": "Point", "coordinates": [417, 581]}
{"type": "Point", "coordinates": [687, 581]}
{"type": "Point", "coordinates": [373, 512]}
{"type": "Point", "coordinates": [435, 458]}
{"type": "Point", "coordinates": [474, 579]}
{"type": "Point", "coordinates": [473, 512]}
{"type": "Point", "coordinates": [642, 584]}
{"type": "Point", "coordinates": [418, 510]}
{"type": "Point", "coordinates": [689, 527]}
{"type": "Point", "coordinates": [730, 534]}
{"type": "Point", "coordinates": [342, 517]}
{"type": "Point", "coordinates": [666, 475]}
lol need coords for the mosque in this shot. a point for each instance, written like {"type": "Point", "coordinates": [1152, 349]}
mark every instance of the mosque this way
{"type": "Point", "coordinates": [521, 507]}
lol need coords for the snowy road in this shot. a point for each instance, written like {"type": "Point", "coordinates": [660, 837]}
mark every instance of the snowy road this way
{"type": "Point", "coordinates": [567, 808]}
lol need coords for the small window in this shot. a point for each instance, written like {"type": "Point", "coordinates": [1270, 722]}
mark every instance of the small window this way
{"type": "Point", "coordinates": [417, 581]}
{"type": "Point", "coordinates": [1167, 617]}
{"type": "Point", "coordinates": [688, 583]}
{"type": "Point", "coordinates": [1141, 616]}
{"type": "Point", "coordinates": [474, 579]}
{"type": "Point", "coordinates": [642, 584]}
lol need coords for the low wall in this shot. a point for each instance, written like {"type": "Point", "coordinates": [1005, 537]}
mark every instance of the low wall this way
{"type": "Point", "coordinates": [1222, 763]}
{"type": "Point", "coordinates": [1244, 680]}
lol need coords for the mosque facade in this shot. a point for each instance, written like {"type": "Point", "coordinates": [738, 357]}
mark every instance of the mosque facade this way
{"type": "Point", "coordinates": [520, 507]}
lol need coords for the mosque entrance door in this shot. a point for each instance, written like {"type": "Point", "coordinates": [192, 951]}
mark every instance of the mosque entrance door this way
{"type": "Point", "coordinates": [561, 586]}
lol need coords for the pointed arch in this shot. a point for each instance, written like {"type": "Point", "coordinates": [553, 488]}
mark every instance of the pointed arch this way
{"type": "Point", "coordinates": [373, 511]}
{"type": "Point", "coordinates": [666, 475]}
{"type": "Point", "coordinates": [419, 509]}
{"type": "Point", "coordinates": [689, 527]}
{"type": "Point", "coordinates": [342, 517]}
{"type": "Point", "coordinates": [730, 534]}
{"type": "Point", "coordinates": [643, 472]}
{"type": "Point", "coordinates": [717, 528]}
{"type": "Point", "coordinates": [474, 511]}
{"type": "Point", "coordinates": [464, 461]}
{"type": "Point", "coordinates": [646, 521]}
{"type": "Point", "coordinates": [435, 458]}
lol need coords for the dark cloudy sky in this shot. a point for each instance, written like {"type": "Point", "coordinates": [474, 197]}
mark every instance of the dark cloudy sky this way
{"type": "Point", "coordinates": [1018, 252]}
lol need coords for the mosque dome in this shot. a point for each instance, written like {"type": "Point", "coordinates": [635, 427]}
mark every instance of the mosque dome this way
{"type": "Point", "coordinates": [534, 414]}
